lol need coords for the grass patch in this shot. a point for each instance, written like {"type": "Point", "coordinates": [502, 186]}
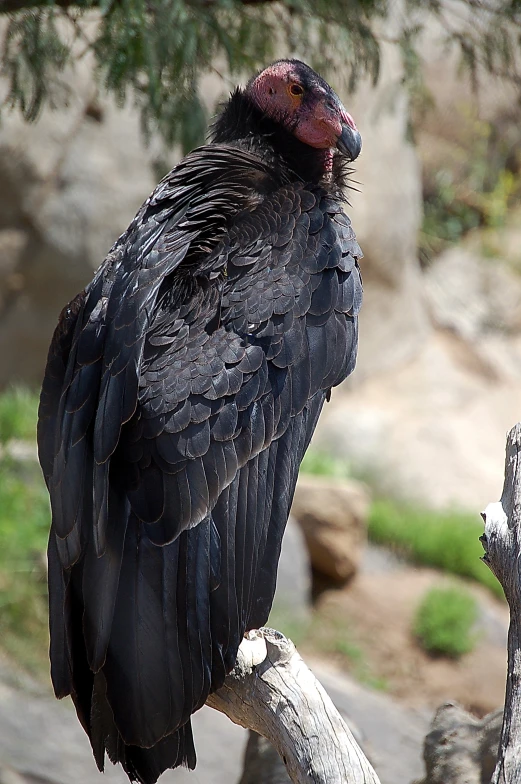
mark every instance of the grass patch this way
{"type": "Point", "coordinates": [18, 414]}
{"type": "Point", "coordinates": [323, 464]}
{"type": "Point", "coordinates": [24, 526]}
{"type": "Point", "coordinates": [448, 540]}
{"type": "Point", "coordinates": [444, 620]}
{"type": "Point", "coordinates": [331, 637]}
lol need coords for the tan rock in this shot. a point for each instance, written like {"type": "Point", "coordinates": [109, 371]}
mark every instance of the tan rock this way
{"type": "Point", "coordinates": [432, 431]}
{"type": "Point", "coordinates": [453, 128]}
{"type": "Point", "coordinates": [332, 515]}
{"type": "Point", "coordinates": [69, 184]}
{"type": "Point", "coordinates": [472, 295]}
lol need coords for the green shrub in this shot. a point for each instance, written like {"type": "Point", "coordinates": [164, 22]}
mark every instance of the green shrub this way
{"type": "Point", "coordinates": [18, 414]}
{"type": "Point", "coordinates": [444, 620]}
{"type": "Point", "coordinates": [448, 540]}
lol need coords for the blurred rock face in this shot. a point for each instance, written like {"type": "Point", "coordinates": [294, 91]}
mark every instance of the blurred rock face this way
{"type": "Point", "coordinates": [438, 383]}
{"type": "Point", "coordinates": [386, 216]}
{"type": "Point", "coordinates": [69, 185]}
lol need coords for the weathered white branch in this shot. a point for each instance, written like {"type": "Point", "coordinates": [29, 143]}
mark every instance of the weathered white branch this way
{"type": "Point", "coordinates": [502, 543]}
{"type": "Point", "coordinates": [272, 692]}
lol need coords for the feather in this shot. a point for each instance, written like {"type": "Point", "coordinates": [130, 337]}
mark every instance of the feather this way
{"type": "Point", "coordinates": [61, 665]}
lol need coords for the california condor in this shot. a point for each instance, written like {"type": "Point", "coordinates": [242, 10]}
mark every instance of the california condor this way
{"type": "Point", "coordinates": [182, 388]}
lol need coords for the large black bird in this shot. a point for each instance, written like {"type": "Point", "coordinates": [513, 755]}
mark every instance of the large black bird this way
{"type": "Point", "coordinates": [182, 389]}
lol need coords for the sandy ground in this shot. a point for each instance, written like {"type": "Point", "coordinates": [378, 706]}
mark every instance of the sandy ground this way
{"type": "Point", "coordinates": [378, 608]}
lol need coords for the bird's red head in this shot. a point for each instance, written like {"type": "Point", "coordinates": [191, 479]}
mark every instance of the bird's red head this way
{"type": "Point", "coordinates": [291, 93]}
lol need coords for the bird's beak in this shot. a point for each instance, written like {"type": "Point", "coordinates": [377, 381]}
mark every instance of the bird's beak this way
{"type": "Point", "coordinates": [349, 142]}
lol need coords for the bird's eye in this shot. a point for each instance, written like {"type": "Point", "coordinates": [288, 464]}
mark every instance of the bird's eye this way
{"type": "Point", "coordinates": [296, 89]}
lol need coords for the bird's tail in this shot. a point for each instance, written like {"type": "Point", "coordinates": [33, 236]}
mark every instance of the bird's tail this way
{"type": "Point", "coordinates": [146, 765]}
{"type": "Point", "coordinates": [107, 618]}
{"type": "Point", "coordinates": [140, 764]}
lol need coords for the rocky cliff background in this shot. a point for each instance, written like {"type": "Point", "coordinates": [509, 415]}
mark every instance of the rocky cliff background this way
{"type": "Point", "coordinates": [436, 208]}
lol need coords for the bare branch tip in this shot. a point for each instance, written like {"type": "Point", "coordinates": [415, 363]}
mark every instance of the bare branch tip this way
{"type": "Point", "coordinates": [514, 436]}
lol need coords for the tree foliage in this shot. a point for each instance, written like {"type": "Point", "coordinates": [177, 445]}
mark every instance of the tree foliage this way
{"type": "Point", "coordinates": [157, 51]}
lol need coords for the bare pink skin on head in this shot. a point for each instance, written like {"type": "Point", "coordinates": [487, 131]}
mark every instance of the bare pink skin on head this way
{"type": "Point", "coordinates": [308, 107]}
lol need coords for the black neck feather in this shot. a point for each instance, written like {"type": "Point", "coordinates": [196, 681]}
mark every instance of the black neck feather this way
{"type": "Point", "coordinates": [241, 122]}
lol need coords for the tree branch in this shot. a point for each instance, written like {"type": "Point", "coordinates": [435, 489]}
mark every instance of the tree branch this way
{"type": "Point", "coordinates": [272, 692]}
{"type": "Point", "coordinates": [502, 543]}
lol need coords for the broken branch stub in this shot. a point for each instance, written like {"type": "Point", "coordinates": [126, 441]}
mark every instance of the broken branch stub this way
{"type": "Point", "coordinates": [273, 692]}
{"type": "Point", "coordinates": [502, 543]}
